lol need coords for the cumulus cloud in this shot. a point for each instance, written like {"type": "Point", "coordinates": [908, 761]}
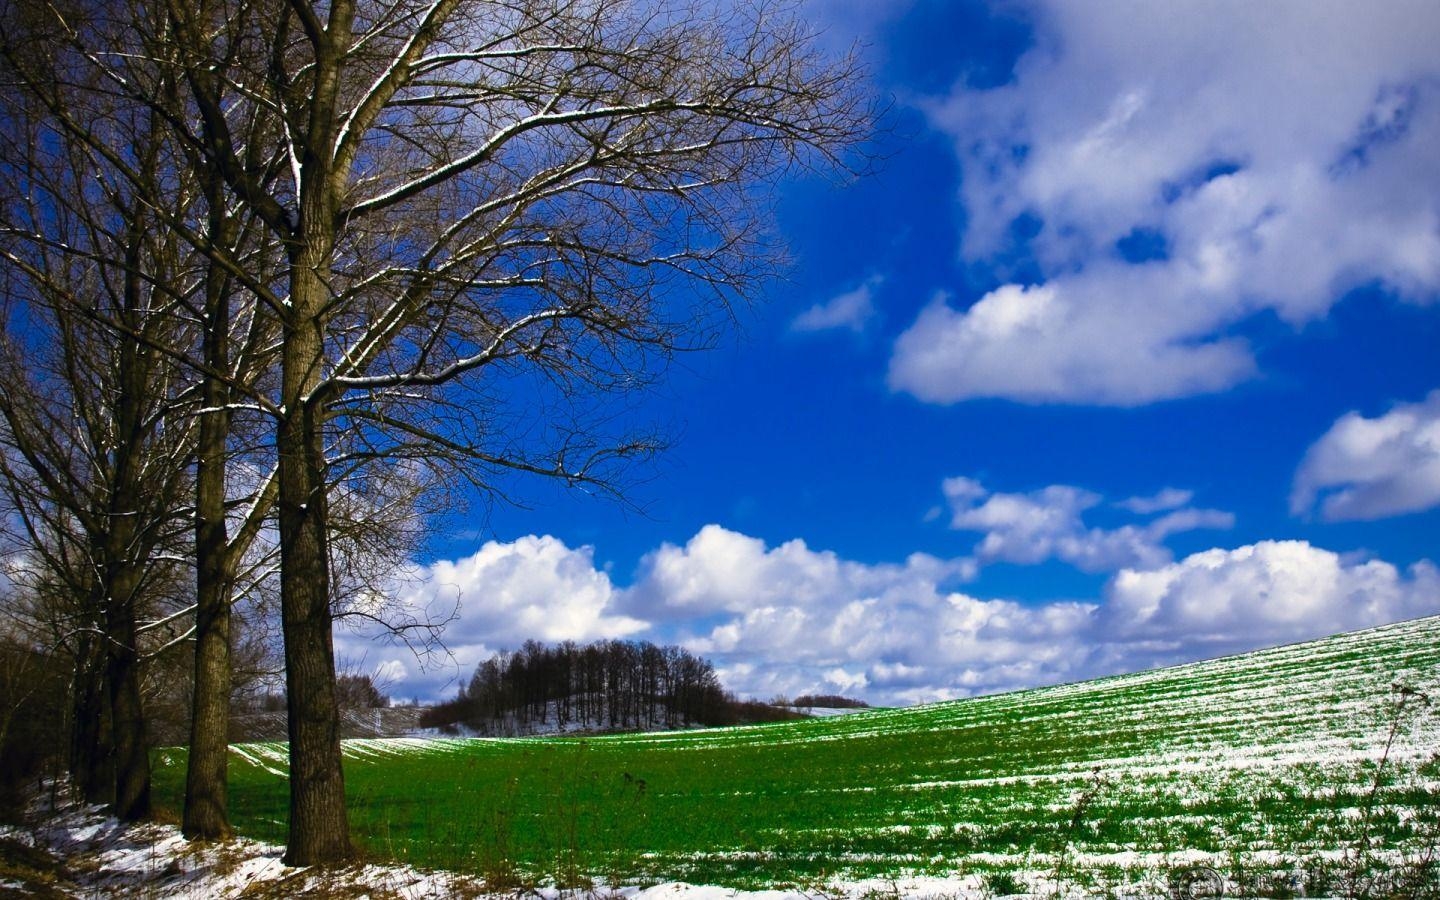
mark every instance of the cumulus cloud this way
{"type": "Point", "coordinates": [498, 597]}
{"type": "Point", "coordinates": [724, 571]}
{"type": "Point", "coordinates": [1263, 593]}
{"type": "Point", "coordinates": [826, 622]}
{"type": "Point", "coordinates": [1065, 342]}
{"type": "Point", "coordinates": [389, 675]}
{"type": "Point", "coordinates": [1048, 524]}
{"type": "Point", "coordinates": [790, 620]}
{"type": "Point", "coordinates": [793, 620]}
{"type": "Point", "coordinates": [1371, 468]}
{"type": "Point", "coordinates": [535, 587]}
{"type": "Point", "coordinates": [1180, 172]}
{"type": "Point", "coordinates": [850, 311]}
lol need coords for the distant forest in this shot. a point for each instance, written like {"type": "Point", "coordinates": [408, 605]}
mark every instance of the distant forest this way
{"type": "Point", "coordinates": [603, 686]}
{"type": "Point", "coordinates": [828, 701]}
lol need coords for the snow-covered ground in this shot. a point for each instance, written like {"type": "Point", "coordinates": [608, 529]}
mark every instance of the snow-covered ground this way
{"type": "Point", "coordinates": [102, 858]}
{"type": "Point", "coordinates": [1310, 716]}
{"type": "Point", "coordinates": [826, 712]}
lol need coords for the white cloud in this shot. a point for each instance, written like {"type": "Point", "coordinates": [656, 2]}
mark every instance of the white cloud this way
{"type": "Point", "coordinates": [924, 644]}
{"type": "Point", "coordinates": [1371, 468]}
{"type": "Point", "coordinates": [1280, 153]}
{"type": "Point", "coordinates": [851, 310]}
{"type": "Point", "coordinates": [720, 570]}
{"type": "Point", "coordinates": [497, 598]}
{"type": "Point", "coordinates": [1065, 342]}
{"type": "Point", "coordinates": [1263, 593]}
{"type": "Point", "coordinates": [535, 587]}
{"type": "Point", "coordinates": [1166, 498]}
{"type": "Point", "coordinates": [791, 620]}
{"type": "Point", "coordinates": [810, 621]}
{"type": "Point", "coordinates": [829, 620]}
{"type": "Point", "coordinates": [846, 681]}
{"type": "Point", "coordinates": [1048, 524]}
{"type": "Point", "coordinates": [389, 674]}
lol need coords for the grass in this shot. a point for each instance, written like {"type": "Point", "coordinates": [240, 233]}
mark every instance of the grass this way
{"type": "Point", "coordinates": [1261, 762]}
{"type": "Point", "coordinates": [29, 872]}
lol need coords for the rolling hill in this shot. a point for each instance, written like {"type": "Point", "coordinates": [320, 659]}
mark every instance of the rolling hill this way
{"type": "Point", "coordinates": [1299, 766]}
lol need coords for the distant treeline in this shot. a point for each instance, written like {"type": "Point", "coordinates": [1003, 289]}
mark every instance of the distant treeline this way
{"type": "Point", "coordinates": [828, 701]}
{"type": "Point", "coordinates": [603, 686]}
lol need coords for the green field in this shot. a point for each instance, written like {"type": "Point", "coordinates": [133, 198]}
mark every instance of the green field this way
{"type": "Point", "coordinates": [1254, 763]}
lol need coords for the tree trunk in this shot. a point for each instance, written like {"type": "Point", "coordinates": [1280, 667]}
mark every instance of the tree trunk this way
{"type": "Point", "coordinates": [132, 757]}
{"type": "Point", "coordinates": [206, 816]}
{"type": "Point", "coordinates": [319, 829]}
{"type": "Point", "coordinates": [120, 546]}
{"type": "Point", "coordinates": [90, 754]}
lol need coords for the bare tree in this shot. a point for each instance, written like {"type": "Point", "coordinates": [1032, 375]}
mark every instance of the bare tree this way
{"type": "Point", "coordinates": [236, 353]}
{"type": "Point", "coordinates": [236, 350]}
{"type": "Point", "coordinates": [232, 353]}
{"type": "Point", "coordinates": [93, 464]}
{"type": "Point", "coordinates": [491, 213]}
{"type": "Point", "coordinates": [508, 187]}
{"type": "Point", "coordinates": [357, 690]}
{"type": "Point", "coordinates": [228, 341]}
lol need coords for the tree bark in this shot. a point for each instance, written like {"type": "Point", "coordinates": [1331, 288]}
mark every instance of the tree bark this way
{"type": "Point", "coordinates": [90, 755]}
{"type": "Point", "coordinates": [206, 816]}
{"type": "Point", "coordinates": [319, 828]}
{"type": "Point", "coordinates": [132, 757]}
{"type": "Point", "coordinates": [119, 546]}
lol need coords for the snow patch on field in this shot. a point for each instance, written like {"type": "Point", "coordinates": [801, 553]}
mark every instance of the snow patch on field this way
{"type": "Point", "coordinates": [1301, 722]}
{"type": "Point", "coordinates": [104, 858]}
{"type": "Point", "coordinates": [273, 758]}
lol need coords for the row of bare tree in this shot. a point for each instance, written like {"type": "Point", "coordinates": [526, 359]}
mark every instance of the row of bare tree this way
{"type": "Point", "coordinates": [601, 686]}
{"type": "Point", "coordinates": [279, 275]}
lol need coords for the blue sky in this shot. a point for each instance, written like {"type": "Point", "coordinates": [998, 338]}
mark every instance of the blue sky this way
{"type": "Point", "coordinates": [1125, 356]}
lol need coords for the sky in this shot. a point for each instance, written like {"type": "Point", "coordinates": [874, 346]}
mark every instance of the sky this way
{"type": "Point", "coordinates": [1126, 355]}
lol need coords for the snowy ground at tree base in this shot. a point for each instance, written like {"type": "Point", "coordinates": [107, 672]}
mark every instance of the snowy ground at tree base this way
{"type": "Point", "coordinates": [101, 858]}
